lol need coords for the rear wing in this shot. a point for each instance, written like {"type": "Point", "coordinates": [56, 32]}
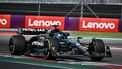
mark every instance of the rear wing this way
{"type": "Point", "coordinates": [31, 31]}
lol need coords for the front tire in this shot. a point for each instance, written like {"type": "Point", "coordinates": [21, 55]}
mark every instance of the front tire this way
{"type": "Point", "coordinates": [17, 45]}
{"type": "Point", "coordinates": [47, 52]}
{"type": "Point", "coordinates": [97, 50]}
{"type": "Point", "coordinates": [49, 43]}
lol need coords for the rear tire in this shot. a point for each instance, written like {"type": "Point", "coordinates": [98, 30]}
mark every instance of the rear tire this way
{"type": "Point", "coordinates": [17, 45]}
{"type": "Point", "coordinates": [97, 46]}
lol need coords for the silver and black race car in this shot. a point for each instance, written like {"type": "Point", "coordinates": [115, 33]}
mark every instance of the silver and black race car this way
{"type": "Point", "coordinates": [54, 43]}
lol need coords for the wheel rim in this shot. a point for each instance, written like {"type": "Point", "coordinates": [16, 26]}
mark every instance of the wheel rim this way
{"type": "Point", "coordinates": [47, 49]}
{"type": "Point", "coordinates": [11, 46]}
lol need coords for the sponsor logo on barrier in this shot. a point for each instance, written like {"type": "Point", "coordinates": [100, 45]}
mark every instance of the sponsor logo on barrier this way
{"type": "Point", "coordinates": [99, 24]}
{"type": "Point", "coordinates": [4, 21]}
{"type": "Point", "coordinates": [44, 22]}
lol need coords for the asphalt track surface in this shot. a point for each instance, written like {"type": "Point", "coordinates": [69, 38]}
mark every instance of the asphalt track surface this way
{"type": "Point", "coordinates": [10, 65]}
{"type": "Point", "coordinates": [115, 45]}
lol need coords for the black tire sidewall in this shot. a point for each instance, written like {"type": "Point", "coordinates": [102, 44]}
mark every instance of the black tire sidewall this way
{"type": "Point", "coordinates": [99, 47]}
{"type": "Point", "coordinates": [19, 45]}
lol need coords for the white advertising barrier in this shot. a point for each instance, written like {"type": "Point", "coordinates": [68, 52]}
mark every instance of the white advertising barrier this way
{"type": "Point", "coordinates": [99, 24]}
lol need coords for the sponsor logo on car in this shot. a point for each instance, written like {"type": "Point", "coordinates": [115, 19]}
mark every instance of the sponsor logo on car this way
{"type": "Point", "coordinates": [36, 43]}
{"type": "Point", "coordinates": [34, 30]}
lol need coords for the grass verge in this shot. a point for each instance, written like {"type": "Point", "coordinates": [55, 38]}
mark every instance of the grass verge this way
{"type": "Point", "coordinates": [97, 34]}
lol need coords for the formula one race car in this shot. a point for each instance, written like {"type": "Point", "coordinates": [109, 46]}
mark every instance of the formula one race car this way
{"type": "Point", "coordinates": [54, 43]}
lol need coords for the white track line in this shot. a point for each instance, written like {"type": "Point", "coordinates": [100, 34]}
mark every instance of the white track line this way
{"type": "Point", "coordinates": [116, 48]}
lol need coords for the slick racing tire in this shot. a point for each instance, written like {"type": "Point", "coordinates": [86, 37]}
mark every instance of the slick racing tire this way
{"type": "Point", "coordinates": [49, 43]}
{"type": "Point", "coordinates": [97, 50]}
{"type": "Point", "coordinates": [17, 45]}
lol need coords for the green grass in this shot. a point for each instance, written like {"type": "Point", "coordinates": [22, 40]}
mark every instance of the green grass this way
{"type": "Point", "coordinates": [97, 34]}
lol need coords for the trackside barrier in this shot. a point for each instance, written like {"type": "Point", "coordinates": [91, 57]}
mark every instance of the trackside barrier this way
{"type": "Point", "coordinates": [99, 24]}
{"type": "Point", "coordinates": [65, 23]}
{"type": "Point", "coordinates": [120, 25]}
{"type": "Point", "coordinates": [17, 21]}
{"type": "Point", "coordinates": [72, 23]}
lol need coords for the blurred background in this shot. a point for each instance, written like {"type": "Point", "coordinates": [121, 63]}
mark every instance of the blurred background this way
{"type": "Point", "coordinates": [72, 8]}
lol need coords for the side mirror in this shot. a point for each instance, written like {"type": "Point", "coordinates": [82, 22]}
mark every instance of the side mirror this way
{"type": "Point", "coordinates": [66, 34]}
{"type": "Point", "coordinates": [93, 38]}
{"type": "Point", "coordinates": [78, 38]}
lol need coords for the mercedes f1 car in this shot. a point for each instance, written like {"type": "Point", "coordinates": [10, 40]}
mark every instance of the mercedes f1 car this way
{"type": "Point", "coordinates": [54, 43]}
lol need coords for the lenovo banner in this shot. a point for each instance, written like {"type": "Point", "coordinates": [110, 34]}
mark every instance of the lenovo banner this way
{"type": "Point", "coordinates": [99, 24]}
{"type": "Point", "coordinates": [4, 21]}
{"type": "Point", "coordinates": [44, 22]}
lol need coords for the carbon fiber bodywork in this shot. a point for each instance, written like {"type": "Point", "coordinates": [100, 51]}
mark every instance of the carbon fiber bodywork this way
{"type": "Point", "coordinates": [55, 43]}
